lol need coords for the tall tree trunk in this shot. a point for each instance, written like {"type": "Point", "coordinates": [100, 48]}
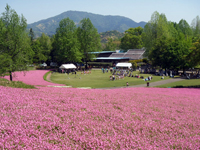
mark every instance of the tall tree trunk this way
{"type": "Point", "coordinates": [177, 73]}
{"type": "Point", "coordinates": [10, 76]}
{"type": "Point", "coordinates": [184, 72]}
{"type": "Point", "coordinates": [86, 65]}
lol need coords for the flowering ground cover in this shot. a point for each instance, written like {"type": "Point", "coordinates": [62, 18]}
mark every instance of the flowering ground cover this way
{"type": "Point", "coordinates": [32, 77]}
{"type": "Point", "coordinates": [125, 118]}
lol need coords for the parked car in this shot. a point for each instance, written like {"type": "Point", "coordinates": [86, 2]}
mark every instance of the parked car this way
{"type": "Point", "coordinates": [53, 64]}
{"type": "Point", "coordinates": [43, 65]}
{"type": "Point", "coordinates": [30, 65]}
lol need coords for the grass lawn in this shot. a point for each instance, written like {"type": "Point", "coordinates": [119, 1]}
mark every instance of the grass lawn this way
{"type": "Point", "coordinates": [31, 68]}
{"type": "Point", "coordinates": [15, 84]}
{"type": "Point", "coordinates": [183, 83]}
{"type": "Point", "coordinates": [97, 79]}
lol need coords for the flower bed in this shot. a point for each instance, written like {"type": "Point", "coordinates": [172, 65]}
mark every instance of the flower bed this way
{"type": "Point", "coordinates": [33, 77]}
{"type": "Point", "coordinates": [129, 118]}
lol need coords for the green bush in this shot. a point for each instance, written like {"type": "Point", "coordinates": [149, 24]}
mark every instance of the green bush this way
{"type": "Point", "coordinates": [134, 65]}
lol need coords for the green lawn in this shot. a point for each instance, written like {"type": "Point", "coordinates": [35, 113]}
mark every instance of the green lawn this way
{"type": "Point", "coordinates": [15, 84]}
{"type": "Point", "coordinates": [183, 83]}
{"type": "Point", "coordinates": [97, 79]}
{"type": "Point", "coordinates": [31, 68]}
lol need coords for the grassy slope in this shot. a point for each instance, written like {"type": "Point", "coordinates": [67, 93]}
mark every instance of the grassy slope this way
{"type": "Point", "coordinates": [184, 83]}
{"type": "Point", "coordinates": [97, 79]}
{"type": "Point", "coordinates": [31, 68]}
{"type": "Point", "coordinates": [15, 84]}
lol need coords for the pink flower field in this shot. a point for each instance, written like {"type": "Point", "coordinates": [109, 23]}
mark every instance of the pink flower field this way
{"type": "Point", "coordinates": [124, 118]}
{"type": "Point", "coordinates": [33, 77]}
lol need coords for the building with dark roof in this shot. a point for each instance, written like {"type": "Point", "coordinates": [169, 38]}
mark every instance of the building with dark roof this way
{"type": "Point", "coordinates": [110, 56]}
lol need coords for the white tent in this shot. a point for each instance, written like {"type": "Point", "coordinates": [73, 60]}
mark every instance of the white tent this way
{"type": "Point", "coordinates": [67, 66]}
{"type": "Point", "coordinates": [124, 65]}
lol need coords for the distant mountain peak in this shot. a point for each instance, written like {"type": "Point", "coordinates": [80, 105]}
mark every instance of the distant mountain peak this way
{"type": "Point", "coordinates": [103, 23]}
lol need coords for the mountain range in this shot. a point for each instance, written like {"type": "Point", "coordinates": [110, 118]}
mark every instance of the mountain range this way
{"type": "Point", "coordinates": [101, 22]}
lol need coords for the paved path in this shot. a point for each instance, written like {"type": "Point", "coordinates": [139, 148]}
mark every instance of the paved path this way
{"type": "Point", "coordinates": [152, 84]}
{"type": "Point", "coordinates": [49, 77]}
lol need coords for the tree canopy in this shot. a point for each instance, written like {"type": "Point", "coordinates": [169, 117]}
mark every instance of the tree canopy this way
{"type": "Point", "coordinates": [15, 49]}
{"type": "Point", "coordinates": [194, 55]}
{"type": "Point", "coordinates": [89, 39]}
{"type": "Point", "coordinates": [132, 39]}
{"type": "Point", "coordinates": [196, 26]}
{"type": "Point", "coordinates": [168, 44]}
{"type": "Point", "coordinates": [110, 45]}
{"type": "Point", "coordinates": [66, 44]}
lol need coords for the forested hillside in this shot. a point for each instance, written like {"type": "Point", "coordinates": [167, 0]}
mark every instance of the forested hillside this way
{"type": "Point", "coordinates": [102, 23]}
{"type": "Point", "coordinates": [115, 35]}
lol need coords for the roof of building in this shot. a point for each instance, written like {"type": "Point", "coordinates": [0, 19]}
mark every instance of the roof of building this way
{"type": "Point", "coordinates": [130, 54]}
{"type": "Point", "coordinates": [135, 51]}
{"type": "Point", "coordinates": [133, 56]}
{"type": "Point", "coordinates": [117, 55]}
{"type": "Point", "coordinates": [102, 52]}
{"type": "Point", "coordinates": [107, 58]}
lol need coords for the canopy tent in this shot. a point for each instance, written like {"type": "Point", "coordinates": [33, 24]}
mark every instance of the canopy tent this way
{"type": "Point", "coordinates": [124, 65]}
{"type": "Point", "coordinates": [67, 66]}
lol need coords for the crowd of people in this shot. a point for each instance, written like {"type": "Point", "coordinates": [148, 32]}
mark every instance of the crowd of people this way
{"type": "Point", "coordinates": [118, 74]}
{"type": "Point", "coordinates": [86, 72]}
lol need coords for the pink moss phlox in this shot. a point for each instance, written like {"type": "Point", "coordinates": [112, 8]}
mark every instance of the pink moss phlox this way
{"type": "Point", "coordinates": [125, 118]}
{"type": "Point", "coordinates": [33, 77]}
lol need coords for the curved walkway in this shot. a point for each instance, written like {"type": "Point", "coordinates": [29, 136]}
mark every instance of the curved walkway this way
{"type": "Point", "coordinates": [152, 84]}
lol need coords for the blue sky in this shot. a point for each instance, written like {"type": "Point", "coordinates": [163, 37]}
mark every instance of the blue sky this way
{"type": "Point", "coordinates": [137, 10]}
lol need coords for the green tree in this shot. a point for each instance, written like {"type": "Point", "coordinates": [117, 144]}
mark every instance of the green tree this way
{"type": "Point", "coordinates": [185, 28]}
{"type": "Point", "coordinates": [89, 40]}
{"type": "Point", "coordinates": [196, 27]}
{"type": "Point", "coordinates": [132, 39]}
{"type": "Point", "coordinates": [159, 51]}
{"type": "Point", "coordinates": [66, 45]}
{"type": "Point", "coordinates": [38, 52]}
{"type": "Point", "coordinates": [41, 46]}
{"type": "Point", "coordinates": [181, 49]}
{"type": "Point", "coordinates": [110, 45]}
{"type": "Point", "coordinates": [167, 44]}
{"type": "Point", "coordinates": [31, 35]}
{"type": "Point", "coordinates": [2, 35]}
{"type": "Point", "coordinates": [171, 53]}
{"type": "Point", "coordinates": [45, 46]}
{"type": "Point", "coordinates": [155, 29]}
{"type": "Point", "coordinates": [53, 50]}
{"type": "Point", "coordinates": [4, 57]}
{"type": "Point", "coordinates": [15, 52]}
{"type": "Point", "coordinates": [134, 65]}
{"type": "Point", "coordinates": [194, 55]}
